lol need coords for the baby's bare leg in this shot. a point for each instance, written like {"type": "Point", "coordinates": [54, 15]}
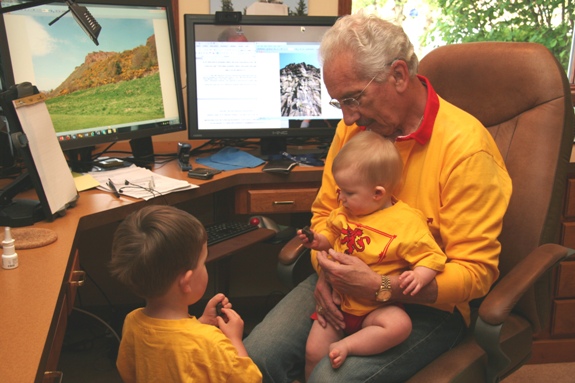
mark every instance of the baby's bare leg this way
{"type": "Point", "coordinates": [382, 329]}
{"type": "Point", "coordinates": [317, 345]}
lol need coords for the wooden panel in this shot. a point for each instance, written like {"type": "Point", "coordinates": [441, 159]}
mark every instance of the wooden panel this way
{"type": "Point", "coordinates": [274, 201]}
{"type": "Point", "coordinates": [566, 280]}
{"type": "Point", "coordinates": [570, 202]}
{"type": "Point", "coordinates": [553, 351]}
{"type": "Point", "coordinates": [269, 200]}
{"type": "Point", "coordinates": [568, 237]}
{"type": "Point", "coordinates": [51, 375]}
{"type": "Point", "coordinates": [563, 318]}
{"type": "Point", "coordinates": [76, 279]}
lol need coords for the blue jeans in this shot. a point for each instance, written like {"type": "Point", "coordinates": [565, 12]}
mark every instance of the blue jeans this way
{"type": "Point", "coordinates": [277, 344]}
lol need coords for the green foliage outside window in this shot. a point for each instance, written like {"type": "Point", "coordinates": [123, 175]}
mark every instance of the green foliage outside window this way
{"type": "Point", "coordinates": [227, 6]}
{"type": "Point", "coordinates": [548, 22]}
{"type": "Point", "coordinates": [300, 10]}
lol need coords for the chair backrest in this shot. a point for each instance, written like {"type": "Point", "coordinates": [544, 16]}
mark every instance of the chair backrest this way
{"type": "Point", "coordinates": [521, 94]}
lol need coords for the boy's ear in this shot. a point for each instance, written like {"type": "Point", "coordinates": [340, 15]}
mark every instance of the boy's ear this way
{"type": "Point", "coordinates": [185, 280]}
{"type": "Point", "coordinates": [379, 193]}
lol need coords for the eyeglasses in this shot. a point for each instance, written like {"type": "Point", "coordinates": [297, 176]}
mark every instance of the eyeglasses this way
{"type": "Point", "coordinates": [351, 102]}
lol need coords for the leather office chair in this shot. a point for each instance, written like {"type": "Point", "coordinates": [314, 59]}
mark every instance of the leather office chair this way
{"type": "Point", "coordinates": [521, 94]}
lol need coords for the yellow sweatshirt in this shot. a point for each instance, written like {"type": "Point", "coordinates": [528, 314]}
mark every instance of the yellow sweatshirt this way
{"type": "Point", "coordinates": [455, 175]}
{"type": "Point", "coordinates": [389, 241]}
{"type": "Point", "coordinates": [183, 350]}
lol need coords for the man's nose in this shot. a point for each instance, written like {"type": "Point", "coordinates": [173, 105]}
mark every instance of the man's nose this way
{"type": "Point", "coordinates": [350, 116]}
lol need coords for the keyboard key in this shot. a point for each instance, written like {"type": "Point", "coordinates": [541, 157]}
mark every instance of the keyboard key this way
{"type": "Point", "coordinates": [226, 230]}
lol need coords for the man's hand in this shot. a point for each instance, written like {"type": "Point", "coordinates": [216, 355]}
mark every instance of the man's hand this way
{"type": "Point", "coordinates": [349, 275]}
{"type": "Point", "coordinates": [327, 304]}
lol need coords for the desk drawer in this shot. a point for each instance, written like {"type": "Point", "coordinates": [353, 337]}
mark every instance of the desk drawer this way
{"type": "Point", "coordinates": [563, 318]}
{"type": "Point", "coordinates": [568, 236]}
{"type": "Point", "coordinates": [566, 280]}
{"type": "Point", "coordinates": [569, 210]}
{"type": "Point", "coordinates": [267, 201]}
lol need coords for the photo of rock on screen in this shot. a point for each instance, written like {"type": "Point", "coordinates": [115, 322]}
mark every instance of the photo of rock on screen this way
{"type": "Point", "coordinates": [300, 86]}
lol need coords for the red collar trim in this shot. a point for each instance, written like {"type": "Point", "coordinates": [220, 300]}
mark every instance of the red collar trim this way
{"type": "Point", "coordinates": [423, 134]}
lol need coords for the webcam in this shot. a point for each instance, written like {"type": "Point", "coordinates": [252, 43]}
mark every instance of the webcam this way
{"type": "Point", "coordinates": [228, 17]}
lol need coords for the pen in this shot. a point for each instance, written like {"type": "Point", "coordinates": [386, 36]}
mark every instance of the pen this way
{"type": "Point", "coordinates": [113, 187]}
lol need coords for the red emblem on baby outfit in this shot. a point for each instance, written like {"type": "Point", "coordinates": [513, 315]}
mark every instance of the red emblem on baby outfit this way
{"type": "Point", "coordinates": [354, 240]}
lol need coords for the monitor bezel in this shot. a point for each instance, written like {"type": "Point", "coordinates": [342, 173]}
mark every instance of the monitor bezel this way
{"type": "Point", "coordinates": [143, 132]}
{"type": "Point", "coordinates": [194, 133]}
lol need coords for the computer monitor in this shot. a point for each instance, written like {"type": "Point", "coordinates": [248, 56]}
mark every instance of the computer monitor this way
{"type": "Point", "coordinates": [259, 77]}
{"type": "Point", "coordinates": [126, 88]}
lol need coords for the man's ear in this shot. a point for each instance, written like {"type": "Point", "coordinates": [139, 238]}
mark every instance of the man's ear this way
{"type": "Point", "coordinates": [400, 73]}
{"type": "Point", "coordinates": [185, 280]}
{"type": "Point", "coordinates": [379, 193]}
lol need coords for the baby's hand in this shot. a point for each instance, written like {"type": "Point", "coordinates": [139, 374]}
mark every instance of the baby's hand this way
{"type": "Point", "coordinates": [409, 282]}
{"type": "Point", "coordinates": [215, 307]}
{"type": "Point", "coordinates": [233, 326]}
{"type": "Point", "coordinates": [306, 236]}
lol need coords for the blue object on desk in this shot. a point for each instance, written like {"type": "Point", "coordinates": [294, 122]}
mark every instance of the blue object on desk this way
{"type": "Point", "coordinates": [230, 158]}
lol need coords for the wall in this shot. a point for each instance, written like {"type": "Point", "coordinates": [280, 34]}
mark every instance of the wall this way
{"type": "Point", "coordinates": [315, 8]}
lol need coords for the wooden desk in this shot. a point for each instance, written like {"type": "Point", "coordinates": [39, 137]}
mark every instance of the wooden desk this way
{"type": "Point", "coordinates": [37, 296]}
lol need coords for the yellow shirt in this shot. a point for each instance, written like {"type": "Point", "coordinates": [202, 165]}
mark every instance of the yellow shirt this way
{"type": "Point", "coordinates": [455, 175]}
{"type": "Point", "coordinates": [185, 350]}
{"type": "Point", "coordinates": [389, 241]}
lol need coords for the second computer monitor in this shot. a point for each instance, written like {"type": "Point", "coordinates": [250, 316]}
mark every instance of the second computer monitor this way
{"type": "Point", "coordinates": [259, 78]}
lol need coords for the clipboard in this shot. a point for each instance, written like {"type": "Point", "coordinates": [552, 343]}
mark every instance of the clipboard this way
{"type": "Point", "coordinates": [33, 135]}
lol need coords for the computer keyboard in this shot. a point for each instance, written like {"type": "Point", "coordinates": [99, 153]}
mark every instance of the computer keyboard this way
{"type": "Point", "coordinates": [219, 232]}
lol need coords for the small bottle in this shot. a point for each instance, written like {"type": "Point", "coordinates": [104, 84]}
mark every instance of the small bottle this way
{"type": "Point", "coordinates": [9, 255]}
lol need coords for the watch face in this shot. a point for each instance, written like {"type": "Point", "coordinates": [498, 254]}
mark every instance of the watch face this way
{"type": "Point", "coordinates": [384, 295]}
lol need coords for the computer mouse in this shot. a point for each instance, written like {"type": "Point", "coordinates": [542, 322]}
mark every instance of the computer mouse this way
{"type": "Point", "coordinates": [264, 222]}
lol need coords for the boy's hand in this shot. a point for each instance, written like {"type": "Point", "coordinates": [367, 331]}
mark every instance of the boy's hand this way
{"type": "Point", "coordinates": [233, 327]}
{"type": "Point", "coordinates": [211, 311]}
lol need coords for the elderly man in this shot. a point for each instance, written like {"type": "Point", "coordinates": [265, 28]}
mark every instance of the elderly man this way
{"type": "Point", "coordinates": [453, 173]}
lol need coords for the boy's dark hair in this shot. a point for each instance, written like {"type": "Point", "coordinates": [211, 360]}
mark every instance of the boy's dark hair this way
{"type": "Point", "coordinates": [153, 245]}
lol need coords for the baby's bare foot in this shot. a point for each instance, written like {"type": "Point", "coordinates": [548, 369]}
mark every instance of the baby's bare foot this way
{"type": "Point", "coordinates": [337, 354]}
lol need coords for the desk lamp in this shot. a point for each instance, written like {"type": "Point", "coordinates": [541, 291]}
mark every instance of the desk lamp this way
{"type": "Point", "coordinates": [81, 14]}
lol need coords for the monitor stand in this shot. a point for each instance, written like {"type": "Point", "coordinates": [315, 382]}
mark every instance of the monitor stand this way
{"type": "Point", "coordinates": [80, 160]}
{"type": "Point", "coordinates": [272, 146]}
{"type": "Point", "coordinates": [142, 152]}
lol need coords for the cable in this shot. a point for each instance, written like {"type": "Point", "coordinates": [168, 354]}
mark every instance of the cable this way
{"type": "Point", "coordinates": [99, 320]}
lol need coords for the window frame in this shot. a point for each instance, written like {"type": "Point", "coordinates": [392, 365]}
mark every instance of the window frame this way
{"type": "Point", "coordinates": [571, 68]}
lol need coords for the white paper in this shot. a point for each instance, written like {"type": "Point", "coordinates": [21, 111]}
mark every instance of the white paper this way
{"type": "Point", "coordinates": [55, 176]}
{"type": "Point", "coordinates": [139, 182]}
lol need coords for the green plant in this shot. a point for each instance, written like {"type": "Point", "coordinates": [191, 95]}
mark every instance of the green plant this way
{"type": "Point", "coordinates": [548, 22]}
{"type": "Point", "coordinates": [227, 6]}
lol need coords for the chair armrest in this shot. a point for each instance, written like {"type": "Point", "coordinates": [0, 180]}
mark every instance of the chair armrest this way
{"type": "Point", "coordinates": [496, 308]}
{"type": "Point", "coordinates": [497, 305]}
{"type": "Point", "coordinates": [293, 263]}
{"type": "Point", "coordinates": [291, 251]}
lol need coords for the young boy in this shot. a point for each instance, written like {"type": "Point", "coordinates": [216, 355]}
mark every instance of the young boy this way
{"type": "Point", "coordinates": [160, 253]}
{"type": "Point", "coordinates": [388, 235]}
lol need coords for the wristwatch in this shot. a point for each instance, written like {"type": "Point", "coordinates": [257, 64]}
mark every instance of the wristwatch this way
{"type": "Point", "coordinates": [384, 292]}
